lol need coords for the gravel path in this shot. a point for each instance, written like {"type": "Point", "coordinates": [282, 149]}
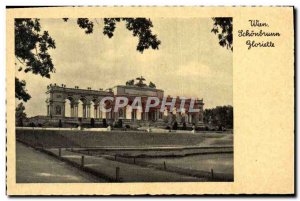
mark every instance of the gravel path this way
{"type": "Point", "coordinates": [36, 167]}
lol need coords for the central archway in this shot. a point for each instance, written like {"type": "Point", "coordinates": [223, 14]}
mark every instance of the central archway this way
{"type": "Point", "coordinates": [69, 107]}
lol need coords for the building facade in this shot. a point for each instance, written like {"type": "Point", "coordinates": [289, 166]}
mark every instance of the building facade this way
{"type": "Point", "coordinates": [73, 106]}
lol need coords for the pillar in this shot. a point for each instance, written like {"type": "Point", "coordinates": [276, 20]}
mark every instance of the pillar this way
{"type": "Point", "coordinates": [83, 110]}
{"type": "Point", "coordinates": [146, 116]}
{"type": "Point", "coordinates": [157, 114]}
{"type": "Point", "coordinates": [72, 110]}
{"type": "Point", "coordinates": [133, 114]}
{"type": "Point", "coordinates": [88, 110]}
{"type": "Point", "coordinates": [116, 114]}
{"type": "Point", "coordinates": [100, 112]}
{"type": "Point", "coordinates": [48, 110]}
{"type": "Point", "coordinates": [96, 115]}
{"type": "Point", "coordinates": [75, 109]}
{"type": "Point", "coordinates": [109, 115]}
{"type": "Point", "coordinates": [124, 112]}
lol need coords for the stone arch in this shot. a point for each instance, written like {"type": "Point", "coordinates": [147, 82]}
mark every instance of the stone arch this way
{"type": "Point", "coordinates": [93, 112]}
{"type": "Point", "coordinates": [108, 104]}
{"type": "Point", "coordinates": [82, 107]}
{"type": "Point", "coordinates": [139, 113]}
{"type": "Point", "coordinates": [69, 105]}
{"type": "Point", "coordinates": [128, 112]}
{"type": "Point", "coordinates": [95, 108]}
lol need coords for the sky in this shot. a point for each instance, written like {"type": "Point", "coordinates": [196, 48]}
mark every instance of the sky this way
{"type": "Point", "coordinates": [190, 62]}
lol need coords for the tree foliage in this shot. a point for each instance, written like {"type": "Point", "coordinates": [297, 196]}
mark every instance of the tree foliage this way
{"type": "Point", "coordinates": [223, 28]}
{"type": "Point", "coordinates": [20, 91]}
{"type": "Point", "coordinates": [31, 50]}
{"type": "Point", "coordinates": [20, 114]}
{"type": "Point", "coordinates": [86, 24]}
{"type": "Point", "coordinates": [31, 47]}
{"type": "Point", "coordinates": [219, 116]}
{"type": "Point", "coordinates": [140, 27]}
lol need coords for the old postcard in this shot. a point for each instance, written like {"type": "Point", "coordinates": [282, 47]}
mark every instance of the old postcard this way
{"type": "Point", "coordinates": [150, 100]}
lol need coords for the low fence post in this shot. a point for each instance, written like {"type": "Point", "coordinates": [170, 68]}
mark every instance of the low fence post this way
{"type": "Point", "coordinates": [117, 174]}
{"type": "Point", "coordinates": [59, 152]}
{"type": "Point", "coordinates": [212, 174]}
{"type": "Point", "coordinates": [165, 166]}
{"type": "Point", "coordinates": [82, 161]}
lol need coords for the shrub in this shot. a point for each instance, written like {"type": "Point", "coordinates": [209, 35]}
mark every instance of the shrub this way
{"type": "Point", "coordinates": [175, 125]}
{"type": "Point", "coordinates": [92, 122]}
{"type": "Point", "coordinates": [104, 123]}
{"type": "Point", "coordinates": [120, 123]}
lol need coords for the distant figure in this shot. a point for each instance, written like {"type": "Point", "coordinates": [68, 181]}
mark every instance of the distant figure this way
{"type": "Point", "coordinates": [109, 128]}
{"type": "Point", "coordinates": [149, 129]}
{"type": "Point", "coordinates": [193, 127]}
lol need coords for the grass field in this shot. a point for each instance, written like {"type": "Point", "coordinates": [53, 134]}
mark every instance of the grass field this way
{"type": "Point", "coordinates": [55, 138]}
{"type": "Point", "coordinates": [165, 156]}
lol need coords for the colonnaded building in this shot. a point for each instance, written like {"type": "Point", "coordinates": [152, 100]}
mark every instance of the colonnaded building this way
{"type": "Point", "coordinates": [70, 107]}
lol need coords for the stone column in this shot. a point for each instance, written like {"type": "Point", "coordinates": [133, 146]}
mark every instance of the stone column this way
{"type": "Point", "coordinates": [83, 110]}
{"type": "Point", "coordinates": [116, 115]}
{"type": "Point", "coordinates": [76, 109]}
{"type": "Point", "coordinates": [158, 114]}
{"type": "Point", "coordinates": [124, 112]}
{"type": "Point", "coordinates": [72, 110]}
{"type": "Point", "coordinates": [133, 114]}
{"type": "Point", "coordinates": [48, 110]}
{"type": "Point", "coordinates": [109, 115]}
{"type": "Point", "coordinates": [99, 111]}
{"type": "Point", "coordinates": [96, 115]}
{"type": "Point", "coordinates": [88, 109]}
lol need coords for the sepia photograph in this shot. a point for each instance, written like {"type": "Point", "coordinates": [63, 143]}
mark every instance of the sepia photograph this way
{"type": "Point", "coordinates": [110, 100]}
{"type": "Point", "coordinates": [150, 100]}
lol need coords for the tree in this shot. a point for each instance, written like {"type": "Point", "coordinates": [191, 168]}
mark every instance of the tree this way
{"type": "Point", "coordinates": [20, 91]}
{"type": "Point", "coordinates": [31, 50]}
{"type": "Point", "coordinates": [152, 85]}
{"type": "Point", "coordinates": [20, 114]}
{"type": "Point", "coordinates": [140, 27]}
{"type": "Point", "coordinates": [223, 28]}
{"type": "Point", "coordinates": [32, 45]}
{"type": "Point", "coordinates": [219, 116]}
